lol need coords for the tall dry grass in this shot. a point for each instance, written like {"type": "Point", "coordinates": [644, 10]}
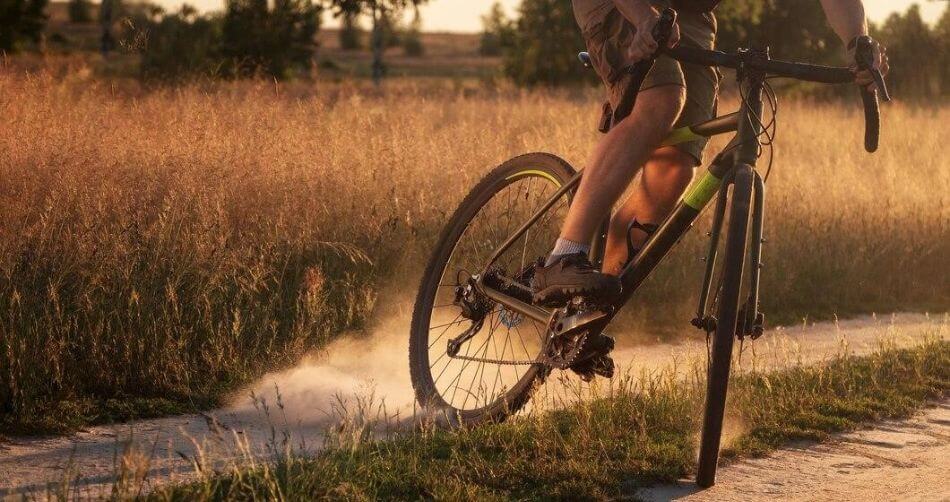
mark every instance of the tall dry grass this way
{"type": "Point", "coordinates": [177, 242]}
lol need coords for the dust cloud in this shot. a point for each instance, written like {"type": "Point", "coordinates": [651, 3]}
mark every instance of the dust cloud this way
{"type": "Point", "coordinates": [368, 370]}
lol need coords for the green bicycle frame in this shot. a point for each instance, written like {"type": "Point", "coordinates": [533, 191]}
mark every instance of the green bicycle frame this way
{"type": "Point", "coordinates": [734, 165]}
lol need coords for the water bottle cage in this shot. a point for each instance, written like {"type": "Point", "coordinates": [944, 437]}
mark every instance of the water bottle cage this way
{"type": "Point", "coordinates": [647, 228]}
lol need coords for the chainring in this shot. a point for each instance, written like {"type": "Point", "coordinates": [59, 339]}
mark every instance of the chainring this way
{"type": "Point", "coordinates": [563, 351]}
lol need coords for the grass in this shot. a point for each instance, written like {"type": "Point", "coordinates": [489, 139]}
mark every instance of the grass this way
{"type": "Point", "coordinates": [640, 432]}
{"type": "Point", "coordinates": [167, 246]}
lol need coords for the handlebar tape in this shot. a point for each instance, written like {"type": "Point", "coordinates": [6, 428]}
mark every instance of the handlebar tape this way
{"type": "Point", "coordinates": [638, 72]}
{"type": "Point", "coordinates": [872, 120]}
{"type": "Point", "coordinates": [864, 57]}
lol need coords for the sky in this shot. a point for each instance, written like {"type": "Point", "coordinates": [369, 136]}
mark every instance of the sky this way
{"type": "Point", "coordinates": [465, 15]}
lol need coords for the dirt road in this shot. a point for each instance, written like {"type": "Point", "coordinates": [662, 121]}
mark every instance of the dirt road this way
{"type": "Point", "coordinates": [165, 450]}
{"type": "Point", "coordinates": [895, 460]}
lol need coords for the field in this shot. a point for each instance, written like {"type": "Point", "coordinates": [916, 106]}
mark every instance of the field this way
{"type": "Point", "coordinates": [160, 248]}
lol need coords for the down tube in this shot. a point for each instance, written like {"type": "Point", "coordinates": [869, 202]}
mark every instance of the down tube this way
{"type": "Point", "coordinates": [674, 227]}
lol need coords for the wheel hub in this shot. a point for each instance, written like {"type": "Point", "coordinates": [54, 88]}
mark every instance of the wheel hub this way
{"type": "Point", "coordinates": [510, 319]}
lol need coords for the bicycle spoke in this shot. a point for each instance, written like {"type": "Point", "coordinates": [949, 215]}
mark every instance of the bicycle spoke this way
{"type": "Point", "coordinates": [467, 381]}
{"type": "Point", "coordinates": [467, 362]}
{"type": "Point", "coordinates": [456, 321]}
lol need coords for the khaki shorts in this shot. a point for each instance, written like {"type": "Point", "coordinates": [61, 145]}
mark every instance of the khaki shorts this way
{"type": "Point", "coordinates": [608, 35]}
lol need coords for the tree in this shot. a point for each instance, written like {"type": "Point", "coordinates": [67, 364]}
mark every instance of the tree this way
{"type": "Point", "coordinates": [382, 12]}
{"type": "Point", "coordinates": [737, 21]}
{"type": "Point", "coordinates": [276, 40]}
{"type": "Point", "coordinates": [180, 45]}
{"type": "Point", "coordinates": [79, 11]}
{"type": "Point", "coordinates": [914, 52]}
{"type": "Point", "coordinates": [108, 13]}
{"type": "Point", "coordinates": [351, 33]}
{"type": "Point", "coordinates": [21, 21]}
{"type": "Point", "coordinates": [942, 35]}
{"type": "Point", "coordinates": [792, 29]}
{"type": "Point", "coordinates": [497, 32]}
{"type": "Point", "coordinates": [545, 45]}
{"type": "Point", "coordinates": [411, 37]}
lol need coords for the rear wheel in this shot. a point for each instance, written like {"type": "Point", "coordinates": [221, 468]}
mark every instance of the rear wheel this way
{"type": "Point", "coordinates": [727, 317]}
{"type": "Point", "coordinates": [492, 374]}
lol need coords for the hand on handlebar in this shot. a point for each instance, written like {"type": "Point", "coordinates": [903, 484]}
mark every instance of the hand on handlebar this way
{"type": "Point", "coordinates": [864, 75]}
{"type": "Point", "coordinates": [644, 45]}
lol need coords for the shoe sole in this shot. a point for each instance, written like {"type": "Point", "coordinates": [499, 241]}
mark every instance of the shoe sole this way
{"type": "Point", "coordinates": [555, 296]}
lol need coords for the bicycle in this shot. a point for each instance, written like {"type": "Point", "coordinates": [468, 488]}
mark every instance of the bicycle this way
{"type": "Point", "coordinates": [482, 265]}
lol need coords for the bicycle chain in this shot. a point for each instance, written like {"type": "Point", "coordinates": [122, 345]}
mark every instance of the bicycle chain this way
{"type": "Point", "coordinates": [500, 362]}
{"type": "Point", "coordinates": [546, 360]}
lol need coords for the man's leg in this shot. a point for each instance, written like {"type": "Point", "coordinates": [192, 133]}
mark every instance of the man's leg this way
{"type": "Point", "coordinates": [665, 176]}
{"type": "Point", "coordinates": [617, 158]}
{"type": "Point", "coordinates": [567, 271]}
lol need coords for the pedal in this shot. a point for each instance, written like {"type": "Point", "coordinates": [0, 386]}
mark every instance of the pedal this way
{"type": "Point", "coordinates": [594, 358]}
{"type": "Point", "coordinates": [601, 365]}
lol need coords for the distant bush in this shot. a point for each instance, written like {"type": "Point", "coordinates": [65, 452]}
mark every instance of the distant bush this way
{"type": "Point", "coordinates": [919, 54]}
{"type": "Point", "coordinates": [545, 42]}
{"type": "Point", "coordinates": [276, 41]}
{"type": "Point", "coordinates": [182, 45]}
{"type": "Point", "coordinates": [351, 34]}
{"type": "Point", "coordinates": [21, 21]}
{"type": "Point", "coordinates": [79, 11]}
{"type": "Point", "coordinates": [497, 32]}
{"type": "Point", "coordinates": [389, 28]}
{"type": "Point", "coordinates": [411, 37]}
{"type": "Point", "coordinates": [248, 39]}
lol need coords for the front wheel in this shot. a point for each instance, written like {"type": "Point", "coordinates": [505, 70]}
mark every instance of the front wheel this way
{"type": "Point", "coordinates": [491, 371]}
{"type": "Point", "coordinates": [727, 315]}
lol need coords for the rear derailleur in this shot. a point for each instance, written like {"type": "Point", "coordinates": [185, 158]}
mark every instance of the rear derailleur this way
{"type": "Point", "coordinates": [475, 306]}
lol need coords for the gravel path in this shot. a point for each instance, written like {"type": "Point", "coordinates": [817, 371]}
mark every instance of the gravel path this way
{"type": "Point", "coordinates": [895, 460]}
{"type": "Point", "coordinates": [165, 450]}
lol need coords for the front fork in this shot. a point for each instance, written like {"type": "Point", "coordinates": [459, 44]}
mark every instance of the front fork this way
{"type": "Point", "coordinates": [751, 321]}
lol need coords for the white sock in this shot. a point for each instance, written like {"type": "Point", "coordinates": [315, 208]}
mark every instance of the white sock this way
{"type": "Point", "coordinates": [563, 247]}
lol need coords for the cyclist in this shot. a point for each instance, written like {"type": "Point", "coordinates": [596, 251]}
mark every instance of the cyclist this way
{"type": "Point", "coordinates": [618, 34]}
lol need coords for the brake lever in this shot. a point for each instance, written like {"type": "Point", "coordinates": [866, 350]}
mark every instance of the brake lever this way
{"type": "Point", "coordinates": [663, 29]}
{"type": "Point", "coordinates": [864, 57]}
{"type": "Point", "coordinates": [880, 85]}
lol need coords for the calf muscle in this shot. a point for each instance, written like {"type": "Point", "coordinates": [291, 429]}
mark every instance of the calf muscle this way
{"type": "Point", "coordinates": [618, 156]}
